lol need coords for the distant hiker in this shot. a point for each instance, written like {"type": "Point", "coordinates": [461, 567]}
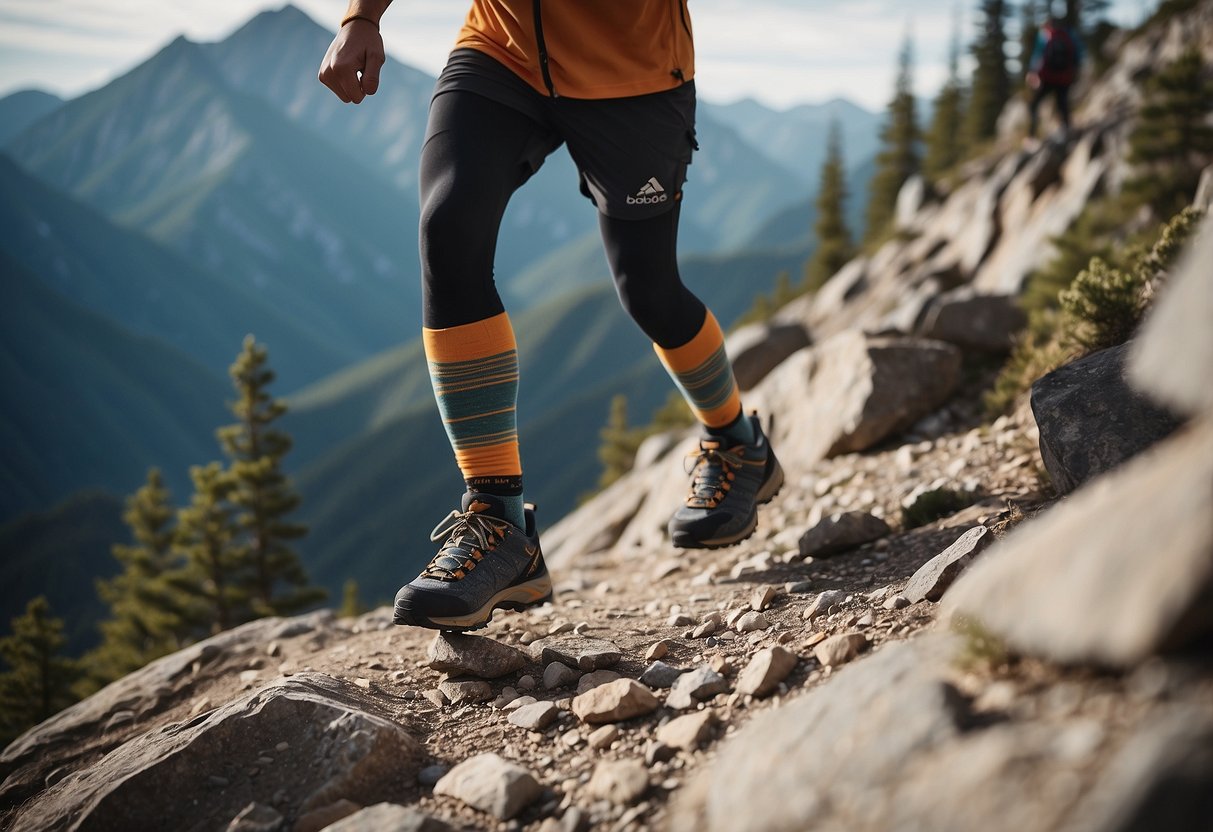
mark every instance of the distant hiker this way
{"type": "Point", "coordinates": [1054, 66]}
{"type": "Point", "coordinates": [613, 81]}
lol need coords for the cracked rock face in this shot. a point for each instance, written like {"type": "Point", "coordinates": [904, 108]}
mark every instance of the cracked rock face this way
{"type": "Point", "coordinates": [863, 735]}
{"type": "Point", "coordinates": [336, 748]}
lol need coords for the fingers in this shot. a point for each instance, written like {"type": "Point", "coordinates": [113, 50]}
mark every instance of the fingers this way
{"type": "Point", "coordinates": [370, 73]}
{"type": "Point", "coordinates": [345, 59]}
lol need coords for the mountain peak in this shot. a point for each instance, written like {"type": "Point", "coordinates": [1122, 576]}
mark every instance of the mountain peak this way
{"type": "Point", "coordinates": [286, 20]}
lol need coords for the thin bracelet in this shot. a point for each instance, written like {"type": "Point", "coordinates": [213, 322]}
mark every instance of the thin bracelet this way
{"type": "Point", "coordinates": [359, 17]}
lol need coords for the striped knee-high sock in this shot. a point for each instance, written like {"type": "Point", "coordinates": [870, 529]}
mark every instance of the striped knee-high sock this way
{"type": "Point", "coordinates": [474, 371]}
{"type": "Point", "coordinates": [702, 371]}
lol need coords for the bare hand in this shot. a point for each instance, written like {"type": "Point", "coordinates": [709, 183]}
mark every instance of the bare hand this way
{"type": "Point", "coordinates": [358, 48]}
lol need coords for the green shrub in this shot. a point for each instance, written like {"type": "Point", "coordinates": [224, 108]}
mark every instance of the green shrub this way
{"type": "Point", "coordinates": [1101, 308]}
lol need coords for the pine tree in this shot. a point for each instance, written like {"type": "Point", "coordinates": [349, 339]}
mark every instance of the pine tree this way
{"type": "Point", "coordinates": [1029, 27]}
{"type": "Point", "coordinates": [261, 492]}
{"type": "Point", "coordinates": [898, 159]}
{"type": "Point", "coordinates": [945, 139]}
{"type": "Point", "coordinates": [991, 82]}
{"type": "Point", "coordinates": [834, 244]}
{"type": "Point", "coordinates": [145, 615]}
{"type": "Point", "coordinates": [1084, 15]}
{"type": "Point", "coordinates": [1172, 141]}
{"type": "Point", "coordinates": [38, 682]}
{"type": "Point", "coordinates": [619, 443]}
{"type": "Point", "coordinates": [214, 573]}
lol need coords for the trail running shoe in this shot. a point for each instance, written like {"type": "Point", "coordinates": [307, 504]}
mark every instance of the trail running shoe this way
{"type": "Point", "coordinates": [727, 486]}
{"type": "Point", "coordinates": [484, 564]}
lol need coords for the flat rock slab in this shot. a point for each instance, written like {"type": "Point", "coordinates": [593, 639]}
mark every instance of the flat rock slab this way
{"type": "Point", "coordinates": [576, 651]}
{"type": "Point", "coordinates": [827, 759]}
{"type": "Point", "coordinates": [479, 656]}
{"type": "Point", "coordinates": [1091, 421]}
{"type": "Point", "coordinates": [1121, 570]}
{"type": "Point", "coordinates": [614, 702]}
{"type": "Point", "coordinates": [934, 577]}
{"type": "Point", "coordinates": [491, 784]}
{"type": "Point", "coordinates": [390, 817]}
{"type": "Point", "coordinates": [342, 749]}
{"type": "Point", "coordinates": [841, 532]}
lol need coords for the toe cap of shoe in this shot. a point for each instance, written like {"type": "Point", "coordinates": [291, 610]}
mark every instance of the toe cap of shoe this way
{"type": "Point", "coordinates": [417, 602]}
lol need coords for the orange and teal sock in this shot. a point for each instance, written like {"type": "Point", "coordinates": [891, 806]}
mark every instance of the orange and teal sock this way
{"type": "Point", "coordinates": [474, 371]}
{"type": "Point", "coordinates": [702, 371]}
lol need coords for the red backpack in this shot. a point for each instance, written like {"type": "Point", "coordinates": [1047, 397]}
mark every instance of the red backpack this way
{"type": "Point", "coordinates": [1060, 58]}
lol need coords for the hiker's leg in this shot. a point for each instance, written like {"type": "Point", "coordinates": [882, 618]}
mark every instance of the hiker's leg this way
{"type": "Point", "coordinates": [686, 336]}
{"type": "Point", "coordinates": [643, 258]}
{"type": "Point", "coordinates": [1063, 104]}
{"type": "Point", "coordinates": [1034, 108]}
{"type": "Point", "coordinates": [632, 155]}
{"type": "Point", "coordinates": [476, 154]}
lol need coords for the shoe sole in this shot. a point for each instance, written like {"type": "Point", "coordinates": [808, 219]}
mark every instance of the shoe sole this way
{"type": "Point", "coordinates": [770, 489]}
{"type": "Point", "coordinates": [519, 597]}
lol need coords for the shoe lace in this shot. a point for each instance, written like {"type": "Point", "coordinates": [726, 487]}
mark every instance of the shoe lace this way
{"type": "Point", "coordinates": [469, 535]}
{"type": "Point", "coordinates": [712, 473]}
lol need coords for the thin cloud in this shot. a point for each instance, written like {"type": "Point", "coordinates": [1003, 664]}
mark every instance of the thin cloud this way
{"type": "Point", "coordinates": [782, 52]}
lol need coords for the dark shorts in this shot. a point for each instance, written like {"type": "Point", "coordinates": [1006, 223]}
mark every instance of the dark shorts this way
{"type": "Point", "coordinates": [632, 153]}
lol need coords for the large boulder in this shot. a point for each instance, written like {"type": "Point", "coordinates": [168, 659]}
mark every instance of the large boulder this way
{"type": "Point", "coordinates": [977, 321]}
{"type": "Point", "coordinates": [301, 743]}
{"type": "Point", "coordinates": [1159, 779]}
{"type": "Point", "coordinates": [1090, 420]}
{"type": "Point", "coordinates": [854, 390]}
{"type": "Point", "coordinates": [826, 760]}
{"type": "Point", "coordinates": [756, 349]}
{"type": "Point", "coordinates": [140, 700]}
{"type": "Point", "coordinates": [1121, 570]}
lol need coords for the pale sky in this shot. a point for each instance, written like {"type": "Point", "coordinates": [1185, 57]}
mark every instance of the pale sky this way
{"type": "Point", "coordinates": [781, 52]}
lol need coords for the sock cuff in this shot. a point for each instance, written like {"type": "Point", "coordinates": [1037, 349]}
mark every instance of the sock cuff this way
{"type": "Point", "coordinates": [490, 336]}
{"type": "Point", "coordinates": [695, 352]}
{"type": "Point", "coordinates": [703, 373]}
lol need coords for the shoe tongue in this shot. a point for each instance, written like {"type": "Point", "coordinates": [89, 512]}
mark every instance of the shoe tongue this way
{"type": "Point", "coordinates": [486, 504]}
{"type": "Point", "coordinates": [710, 444]}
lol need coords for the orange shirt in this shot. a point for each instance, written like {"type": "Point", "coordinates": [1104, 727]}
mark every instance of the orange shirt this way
{"type": "Point", "coordinates": [594, 48]}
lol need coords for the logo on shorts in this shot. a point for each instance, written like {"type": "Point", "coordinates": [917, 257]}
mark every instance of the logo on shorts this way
{"type": "Point", "coordinates": [649, 194]}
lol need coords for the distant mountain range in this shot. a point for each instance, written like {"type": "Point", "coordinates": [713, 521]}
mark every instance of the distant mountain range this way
{"type": "Point", "coordinates": [88, 405]}
{"type": "Point", "coordinates": [170, 149]}
{"type": "Point", "coordinates": [218, 189]}
{"type": "Point", "coordinates": [21, 109]}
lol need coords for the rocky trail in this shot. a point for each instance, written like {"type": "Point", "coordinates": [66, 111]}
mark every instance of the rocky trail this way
{"type": "Point", "coordinates": [713, 638]}
{"type": "Point", "coordinates": [940, 623]}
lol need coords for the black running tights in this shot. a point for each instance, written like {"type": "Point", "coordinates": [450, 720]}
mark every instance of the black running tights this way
{"type": "Point", "coordinates": [477, 153]}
